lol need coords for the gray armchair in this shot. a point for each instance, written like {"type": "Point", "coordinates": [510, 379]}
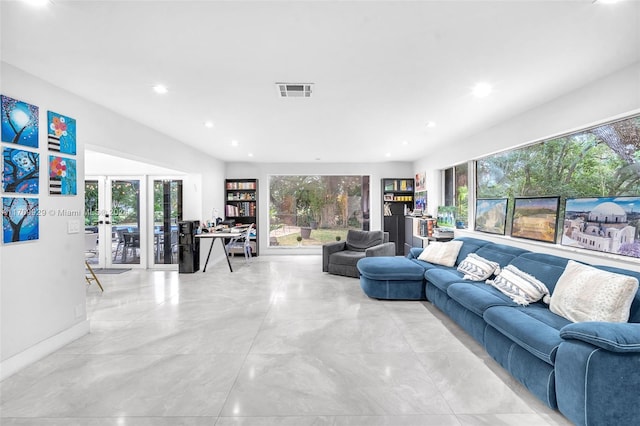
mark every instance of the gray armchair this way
{"type": "Point", "coordinates": [340, 258]}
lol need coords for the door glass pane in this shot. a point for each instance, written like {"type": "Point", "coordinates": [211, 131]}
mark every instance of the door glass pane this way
{"type": "Point", "coordinates": [167, 211]}
{"type": "Point", "coordinates": [91, 214]}
{"type": "Point", "coordinates": [125, 219]}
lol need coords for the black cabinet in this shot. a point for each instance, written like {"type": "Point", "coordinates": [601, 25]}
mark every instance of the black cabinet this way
{"type": "Point", "coordinates": [188, 246]}
{"type": "Point", "coordinates": [397, 199]}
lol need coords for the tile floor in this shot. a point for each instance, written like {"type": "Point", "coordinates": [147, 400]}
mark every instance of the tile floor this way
{"type": "Point", "coordinates": [275, 343]}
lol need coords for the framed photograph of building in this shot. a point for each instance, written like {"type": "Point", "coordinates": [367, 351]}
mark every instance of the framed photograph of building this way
{"type": "Point", "coordinates": [491, 215]}
{"type": "Point", "coordinates": [606, 224]}
{"type": "Point", "coordinates": [535, 218]}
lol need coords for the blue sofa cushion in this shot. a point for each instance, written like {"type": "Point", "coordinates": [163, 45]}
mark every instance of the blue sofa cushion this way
{"type": "Point", "coordinates": [500, 253]}
{"type": "Point", "coordinates": [545, 267]}
{"type": "Point", "coordinates": [534, 328]}
{"type": "Point", "coordinates": [390, 268]}
{"type": "Point", "coordinates": [622, 337]}
{"type": "Point", "coordinates": [443, 277]}
{"type": "Point", "coordinates": [478, 297]}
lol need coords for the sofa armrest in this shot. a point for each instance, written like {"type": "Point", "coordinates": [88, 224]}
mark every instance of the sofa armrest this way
{"type": "Point", "coordinates": [328, 249]}
{"type": "Point", "coordinates": [384, 249]}
{"type": "Point", "coordinates": [613, 337]}
{"type": "Point", "coordinates": [414, 252]}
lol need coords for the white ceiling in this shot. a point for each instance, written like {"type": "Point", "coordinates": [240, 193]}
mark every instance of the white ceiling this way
{"type": "Point", "coordinates": [381, 69]}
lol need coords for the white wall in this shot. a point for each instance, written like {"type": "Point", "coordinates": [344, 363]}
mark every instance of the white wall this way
{"type": "Point", "coordinates": [262, 171]}
{"type": "Point", "coordinates": [43, 308]}
{"type": "Point", "coordinates": [612, 97]}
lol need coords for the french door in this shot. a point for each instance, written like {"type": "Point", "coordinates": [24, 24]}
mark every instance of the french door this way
{"type": "Point", "coordinates": [136, 221]}
{"type": "Point", "coordinates": [114, 208]}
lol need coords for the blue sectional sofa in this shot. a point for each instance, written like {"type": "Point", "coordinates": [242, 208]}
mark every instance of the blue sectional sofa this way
{"type": "Point", "coordinates": [589, 371]}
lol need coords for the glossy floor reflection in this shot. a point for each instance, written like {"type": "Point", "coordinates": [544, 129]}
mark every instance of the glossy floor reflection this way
{"type": "Point", "coordinates": [277, 342]}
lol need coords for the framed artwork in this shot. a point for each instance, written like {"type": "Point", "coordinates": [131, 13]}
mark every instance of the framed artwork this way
{"type": "Point", "coordinates": [61, 133]}
{"type": "Point", "coordinates": [446, 217]}
{"type": "Point", "coordinates": [535, 218]}
{"type": "Point", "coordinates": [421, 183]}
{"type": "Point", "coordinates": [491, 215]}
{"type": "Point", "coordinates": [19, 123]}
{"type": "Point", "coordinates": [62, 176]}
{"type": "Point", "coordinates": [606, 224]}
{"type": "Point", "coordinates": [421, 201]}
{"type": "Point", "coordinates": [20, 219]}
{"type": "Point", "coordinates": [21, 171]}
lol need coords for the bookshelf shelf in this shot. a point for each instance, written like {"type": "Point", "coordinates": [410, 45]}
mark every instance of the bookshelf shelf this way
{"type": "Point", "coordinates": [241, 205]}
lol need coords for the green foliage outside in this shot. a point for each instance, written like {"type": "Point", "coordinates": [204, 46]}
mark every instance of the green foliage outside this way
{"type": "Point", "coordinates": [598, 162]}
{"type": "Point", "coordinates": [319, 202]}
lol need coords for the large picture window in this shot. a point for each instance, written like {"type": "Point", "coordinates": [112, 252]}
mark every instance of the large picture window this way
{"type": "Point", "coordinates": [594, 163]}
{"type": "Point", "coordinates": [312, 210]}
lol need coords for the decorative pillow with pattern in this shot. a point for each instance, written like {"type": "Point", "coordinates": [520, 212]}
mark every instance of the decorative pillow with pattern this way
{"type": "Point", "coordinates": [521, 287]}
{"type": "Point", "coordinates": [440, 253]}
{"type": "Point", "coordinates": [477, 268]}
{"type": "Point", "coordinates": [585, 293]}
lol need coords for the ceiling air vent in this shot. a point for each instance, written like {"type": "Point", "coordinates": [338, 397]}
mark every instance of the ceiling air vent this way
{"type": "Point", "coordinates": [294, 90]}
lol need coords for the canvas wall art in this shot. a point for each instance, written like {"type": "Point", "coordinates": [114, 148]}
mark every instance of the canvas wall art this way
{"type": "Point", "coordinates": [535, 218]}
{"type": "Point", "coordinates": [446, 217]}
{"type": "Point", "coordinates": [421, 182]}
{"type": "Point", "coordinates": [21, 171]}
{"type": "Point", "coordinates": [19, 123]}
{"type": "Point", "coordinates": [606, 224]}
{"type": "Point", "coordinates": [61, 133]}
{"type": "Point", "coordinates": [20, 219]}
{"type": "Point", "coordinates": [421, 201]}
{"type": "Point", "coordinates": [62, 176]}
{"type": "Point", "coordinates": [491, 215]}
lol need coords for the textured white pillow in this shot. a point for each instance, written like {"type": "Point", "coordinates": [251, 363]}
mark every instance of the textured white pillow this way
{"type": "Point", "coordinates": [477, 268]}
{"type": "Point", "coordinates": [521, 287]}
{"type": "Point", "coordinates": [585, 293]}
{"type": "Point", "coordinates": [441, 253]}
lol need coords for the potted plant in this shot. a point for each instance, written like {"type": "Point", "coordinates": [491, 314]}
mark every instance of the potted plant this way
{"type": "Point", "coordinates": [305, 232]}
{"type": "Point", "coordinates": [337, 237]}
{"type": "Point", "coordinates": [299, 239]}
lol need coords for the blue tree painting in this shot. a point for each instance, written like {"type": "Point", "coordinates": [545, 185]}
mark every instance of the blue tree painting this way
{"type": "Point", "coordinates": [20, 219]}
{"type": "Point", "coordinates": [21, 171]}
{"type": "Point", "coordinates": [19, 122]}
{"type": "Point", "coordinates": [61, 133]}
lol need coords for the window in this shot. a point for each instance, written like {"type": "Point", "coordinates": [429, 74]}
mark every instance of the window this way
{"type": "Point", "coordinates": [312, 210]}
{"type": "Point", "coordinates": [456, 192]}
{"type": "Point", "coordinates": [602, 161]}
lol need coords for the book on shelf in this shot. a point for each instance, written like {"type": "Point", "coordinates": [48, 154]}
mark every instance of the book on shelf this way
{"type": "Point", "coordinates": [241, 185]}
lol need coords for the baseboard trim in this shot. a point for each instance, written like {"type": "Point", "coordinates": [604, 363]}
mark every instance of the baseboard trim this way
{"type": "Point", "coordinates": [12, 365]}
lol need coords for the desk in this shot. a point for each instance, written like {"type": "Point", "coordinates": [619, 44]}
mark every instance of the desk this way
{"type": "Point", "coordinates": [220, 236]}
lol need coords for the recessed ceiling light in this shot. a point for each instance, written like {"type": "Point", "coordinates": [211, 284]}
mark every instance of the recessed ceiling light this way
{"type": "Point", "coordinates": [37, 3]}
{"type": "Point", "coordinates": [250, 154]}
{"type": "Point", "coordinates": [234, 143]}
{"type": "Point", "coordinates": [388, 154]}
{"type": "Point", "coordinates": [431, 124]}
{"type": "Point", "coordinates": [160, 89]}
{"type": "Point", "coordinates": [481, 90]}
{"type": "Point", "coordinates": [607, 1]}
{"type": "Point", "coordinates": [405, 143]}
{"type": "Point", "coordinates": [208, 124]}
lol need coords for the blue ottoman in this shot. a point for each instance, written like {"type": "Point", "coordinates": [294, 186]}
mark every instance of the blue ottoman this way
{"type": "Point", "coordinates": [391, 278]}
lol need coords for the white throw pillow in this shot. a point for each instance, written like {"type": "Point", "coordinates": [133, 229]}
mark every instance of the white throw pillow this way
{"type": "Point", "coordinates": [585, 293]}
{"type": "Point", "coordinates": [477, 268]}
{"type": "Point", "coordinates": [521, 287]}
{"type": "Point", "coordinates": [441, 253]}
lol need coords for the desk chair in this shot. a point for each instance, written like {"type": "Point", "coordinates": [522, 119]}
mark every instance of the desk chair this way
{"type": "Point", "coordinates": [243, 242]}
{"type": "Point", "coordinates": [90, 244]}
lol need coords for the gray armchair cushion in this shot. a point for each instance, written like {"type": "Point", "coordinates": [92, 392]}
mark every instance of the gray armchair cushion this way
{"type": "Point", "coordinates": [362, 240]}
